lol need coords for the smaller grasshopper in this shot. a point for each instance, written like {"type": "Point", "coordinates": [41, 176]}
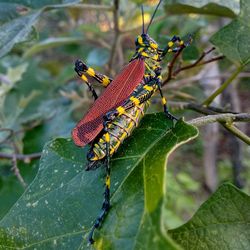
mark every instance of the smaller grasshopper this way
{"type": "Point", "coordinates": [118, 111]}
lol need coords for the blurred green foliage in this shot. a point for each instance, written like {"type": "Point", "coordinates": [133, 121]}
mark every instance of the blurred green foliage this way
{"type": "Point", "coordinates": [41, 99]}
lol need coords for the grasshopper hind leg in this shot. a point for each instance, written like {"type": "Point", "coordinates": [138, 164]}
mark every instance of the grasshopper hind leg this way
{"type": "Point", "coordinates": [106, 201]}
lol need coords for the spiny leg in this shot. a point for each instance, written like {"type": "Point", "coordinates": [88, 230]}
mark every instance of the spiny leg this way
{"type": "Point", "coordinates": [91, 89]}
{"type": "Point", "coordinates": [165, 107]}
{"type": "Point", "coordinates": [106, 202]}
{"type": "Point", "coordinates": [180, 45]}
{"type": "Point", "coordinates": [81, 67]}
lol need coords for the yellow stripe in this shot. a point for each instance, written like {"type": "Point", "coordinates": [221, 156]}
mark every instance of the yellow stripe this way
{"type": "Point", "coordinates": [170, 44]}
{"type": "Point", "coordinates": [135, 100]}
{"type": "Point", "coordinates": [140, 40]}
{"type": "Point", "coordinates": [107, 137]}
{"type": "Point", "coordinates": [164, 101]}
{"type": "Point", "coordinates": [107, 182]}
{"type": "Point", "coordinates": [181, 42]}
{"type": "Point", "coordinates": [144, 54]}
{"type": "Point", "coordinates": [90, 72]}
{"type": "Point", "coordinates": [154, 45]}
{"type": "Point", "coordinates": [84, 78]}
{"type": "Point", "coordinates": [121, 110]}
{"type": "Point", "coordinates": [148, 88]}
{"type": "Point", "coordinates": [105, 81]}
{"type": "Point", "coordinates": [123, 136]}
{"type": "Point", "coordinates": [155, 57]}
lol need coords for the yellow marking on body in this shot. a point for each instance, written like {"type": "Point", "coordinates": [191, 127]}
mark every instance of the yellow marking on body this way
{"type": "Point", "coordinates": [154, 45]}
{"type": "Point", "coordinates": [84, 78]}
{"type": "Point", "coordinates": [164, 101]}
{"type": "Point", "coordinates": [148, 88]}
{"type": "Point", "coordinates": [155, 57]}
{"type": "Point", "coordinates": [107, 137]}
{"type": "Point", "coordinates": [144, 54]}
{"type": "Point", "coordinates": [95, 158]}
{"type": "Point", "coordinates": [159, 77]}
{"type": "Point", "coordinates": [101, 140]}
{"type": "Point", "coordinates": [121, 110]}
{"type": "Point", "coordinates": [117, 144]}
{"type": "Point", "coordinates": [135, 100]}
{"type": "Point", "coordinates": [140, 40]}
{"type": "Point", "coordinates": [170, 50]}
{"type": "Point", "coordinates": [130, 125]}
{"type": "Point", "coordinates": [140, 50]}
{"type": "Point", "coordinates": [107, 182]}
{"type": "Point", "coordinates": [181, 42]}
{"type": "Point", "coordinates": [90, 72]}
{"type": "Point", "coordinates": [112, 150]}
{"type": "Point", "coordinates": [105, 81]}
{"type": "Point", "coordinates": [170, 44]}
{"type": "Point", "coordinates": [123, 136]}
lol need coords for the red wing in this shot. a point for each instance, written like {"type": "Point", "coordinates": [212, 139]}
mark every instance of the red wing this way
{"type": "Point", "coordinates": [116, 92]}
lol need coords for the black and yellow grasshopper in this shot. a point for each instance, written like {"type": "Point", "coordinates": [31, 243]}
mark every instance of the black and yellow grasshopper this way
{"type": "Point", "coordinates": [119, 109]}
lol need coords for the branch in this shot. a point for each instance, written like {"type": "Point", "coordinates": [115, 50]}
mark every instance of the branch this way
{"type": "Point", "coordinates": [225, 118]}
{"type": "Point", "coordinates": [172, 74]}
{"type": "Point", "coordinates": [21, 157]}
{"type": "Point", "coordinates": [226, 121]}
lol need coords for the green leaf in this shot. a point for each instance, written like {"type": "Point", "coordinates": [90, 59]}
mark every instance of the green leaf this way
{"type": "Point", "coordinates": [58, 208]}
{"type": "Point", "coordinates": [51, 43]}
{"type": "Point", "coordinates": [16, 31]}
{"type": "Point", "coordinates": [222, 222]}
{"type": "Point", "coordinates": [233, 39]}
{"type": "Point", "coordinates": [217, 8]}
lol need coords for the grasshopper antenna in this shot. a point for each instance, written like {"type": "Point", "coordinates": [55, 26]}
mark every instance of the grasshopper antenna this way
{"type": "Point", "coordinates": [142, 15]}
{"type": "Point", "coordinates": [153, 15]}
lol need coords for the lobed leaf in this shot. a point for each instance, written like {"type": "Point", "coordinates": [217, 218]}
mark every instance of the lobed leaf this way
{"type": "Point", "coordinates": [233, 39]}
{"type": "Point", "coordinates": [222, 222]}
{"type": "Point", "coordinates": [58, 208]}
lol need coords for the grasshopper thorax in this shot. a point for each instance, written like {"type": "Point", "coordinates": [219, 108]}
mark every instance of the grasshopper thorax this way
{"type": "Point", "coordinates": [147, 47]}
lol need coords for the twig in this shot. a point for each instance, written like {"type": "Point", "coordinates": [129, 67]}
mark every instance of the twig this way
{"type": "Point", "coordinates": [198, 62]}
{"type": "Point", "coordinates": [171, 65]}
{"type": "Point", "coordinates": [223, 86]}
{"type": "Point", "coordinates": [225, 118]}
{"type": "Point", "coordinates": [198, 77]}
{"type": "Point", "coordinates": [21, 157]}
{"type": "Point", "coordinates": [226, 121]}
{"type": "Point", "coordinates": [15, 168]}
{"type": "Point", "coordinates": [8, 130]}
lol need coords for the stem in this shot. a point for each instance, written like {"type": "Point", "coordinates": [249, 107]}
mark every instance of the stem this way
{"type": "Point", "coordinates": [225, 118]}
{"type": "Point", "coordinates": [21, 157]}
{"type": "Point", "coordinates": [223, 86]}
{"type": "Point", "coordinates": [234, 130]}
{"type": "Point", "coordinates": [226, 121]}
